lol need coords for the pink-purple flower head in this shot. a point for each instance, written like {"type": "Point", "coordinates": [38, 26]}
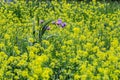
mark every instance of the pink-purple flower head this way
{"type": "Point", "coordinates": [63, 25]}
{"type": "Point", "coordinates": [59, 21]}
{"type": "Point", "coordinates": [41, 21]}
{"type": "Point", "coordinates": [48, 28]}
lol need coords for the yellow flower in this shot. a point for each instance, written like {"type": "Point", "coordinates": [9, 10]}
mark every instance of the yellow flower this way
{"type": "Point", "coordinates": [2, 45]}
{"type": "Point", "coordinates": [24, 73]}
{"type": "Point", "coordinates": [88, 46]}
{"type": "Point", "coordinates": [7, 36]}
{"type": "Point", "coordinates": [111, 24]}
{"type": "Point", "coordinates": [76, 30]}
{"type": "Point", "coordinates": [21, 63]}
{"type": "Point", "coordinates": [115, 43]}
{"type": "Point", "coordinates": [37, 70]}
{"type": "Point", "coordinates": [113, 58]}
{"type": "Point", "coordinates": [3, 55]}
{"type": "Point", "coordinates": [83, 77]}
{"type": "Point", "coordinates": [93, 0]}
{"type": "Point", "coordinates": [69, 42]}
{"type": "Point", "coordinates": [76, 77]}
{"type": "Point", "coordinates": [52, 64]}
{"type": "Point", "coordinates": [46, 73]}
{"type": "Point", "coordinates": [101, 70]}
{"type": "Point", "coordinates": [61, 77]}
{"type": "Point", "coordinates": [114, 77]}
{"type": "Point", "coordinates": [83, 68]}
{"type": "Point", "coordinates": [82, 37]}
{"type": "Point", "coordinates": [102, 43]}
{"type": "Point", "coordinates": [46, 42]}
{"type": "Point", "coordinates": [11, 59]}
{"type": "Point", "coordinates": [98, 77]}
{"type": "Point", "coordinates": [95, 48]}
{"type": "Point", "coordinates": [63, 47]}
{"type": "Point", "coordinates": [16, 77]}
{"type": "Point", "coordinates": [31, 55]}
{"type": "Point", "coordinates": [31, 78]}
{"type": "Point", "coordinates": [42, 58]}
{"type": "Point", "coordinates": [106, 71]}
{"type": "Point", "coordinates": [17, 51]}
{"type": "Point", "coordinates": [30, 40]}
{"type": "Point", "coordinates": [101, 55]}
{"type": "Point", "coordinates": [9, 44]}
{"type": "Point", "coordinates": [34, 77]}
{"type": "Point", "coordinates": [85, 54]}
{"type": "Point", "coordinates": [9, 73]}
{"type": "Point", "coordinates": [33, 49]}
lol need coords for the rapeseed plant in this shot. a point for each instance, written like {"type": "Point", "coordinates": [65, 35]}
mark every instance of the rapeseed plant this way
{"type": "Point", "coordinates": [59, 40]}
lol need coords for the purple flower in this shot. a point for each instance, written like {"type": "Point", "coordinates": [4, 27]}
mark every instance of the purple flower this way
{"type": "Point", "coordinates": [41, 21]}
{"type": "Point", "coordinates": [63, 25]}
{"type": "Point", "coordinates": [48, 28]}
{"type": "Point", "coordinates": [59, 22]}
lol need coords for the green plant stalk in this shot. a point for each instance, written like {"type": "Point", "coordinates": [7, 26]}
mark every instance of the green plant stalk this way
{"type": "Point", "coordinates": [43, 29]}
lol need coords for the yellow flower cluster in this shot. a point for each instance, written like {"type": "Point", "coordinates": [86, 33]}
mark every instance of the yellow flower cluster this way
{"type": "Point", "coordinates": [88, 48]}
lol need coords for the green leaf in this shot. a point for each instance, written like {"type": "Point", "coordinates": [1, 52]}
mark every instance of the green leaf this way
{"type": "Point", "coordinates": [44, 27]}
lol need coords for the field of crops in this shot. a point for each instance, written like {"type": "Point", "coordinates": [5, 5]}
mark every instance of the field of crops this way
{"type": "Point", "coordinates": [59, 40]}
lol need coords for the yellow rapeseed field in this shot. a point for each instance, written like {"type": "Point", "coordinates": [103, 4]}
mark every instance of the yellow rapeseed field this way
{"type": "Point", "coordinates": [59, 40]}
